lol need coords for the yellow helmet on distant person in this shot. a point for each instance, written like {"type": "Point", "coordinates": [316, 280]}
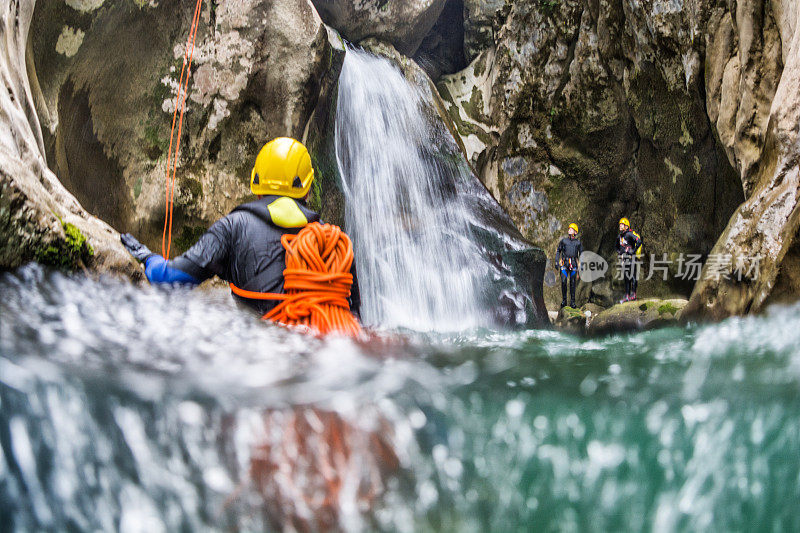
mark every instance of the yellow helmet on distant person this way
{"type": "Point", "coordinates": [283, 168]}
{"type": "Point", "coordinates": [625, 221]}
{"type": "Point", "coordinates": [574, 226]}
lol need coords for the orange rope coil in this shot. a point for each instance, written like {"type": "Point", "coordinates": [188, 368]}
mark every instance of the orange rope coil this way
{"type": "Point", "coordinates": [317, 281]}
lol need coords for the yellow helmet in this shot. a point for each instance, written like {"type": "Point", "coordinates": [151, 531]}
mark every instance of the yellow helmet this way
{"type": "Point", "coordinates": [283, 167]}
{"type": "Point", "coordinates": [625, 221]}
{"type": "Point", "coordinates": [574, 226]}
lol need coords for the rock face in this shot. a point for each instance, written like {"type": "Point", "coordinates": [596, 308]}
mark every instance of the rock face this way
{"type": "Point", "coordinates": [572, 320]}
{"type": "Point", "coordinates": [442, 50]}
{"type": "Point", "coordinates": [403, 23]}
{"type": "Point", "coordinates": [39, 219]}
{"type": "Point", "coordinates": [107, 112]}
{"type": "Point", "coordinates": [679, 115]}
{"type": "Point", "coordinates": [586, 112]}
{"type": "Point", "coordinates": [670, 113]}
{"type": "Point", "coordinates": [482, 21]}
{"type": "Point", "coordinates": [758, 121]}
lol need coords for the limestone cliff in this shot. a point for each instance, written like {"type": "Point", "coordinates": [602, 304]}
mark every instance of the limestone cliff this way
{"type": "Point", "coordinates": [669, 113]}
{"type": "Point", "coordinates": [109, 75]}
{"type": "Point", "coordinates": [761, 135]}
{"type": "Point", "coordinates": [39, 219]}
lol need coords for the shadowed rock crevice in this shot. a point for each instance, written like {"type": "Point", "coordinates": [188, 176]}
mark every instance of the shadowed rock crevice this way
{"type": "Point", "coordinates": [82, 165]}
{"type": "Point", "coordinates": [442, 50]}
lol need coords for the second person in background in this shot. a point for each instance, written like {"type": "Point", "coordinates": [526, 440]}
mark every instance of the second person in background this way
{"type": "Point", "coordinates": [568, 255]}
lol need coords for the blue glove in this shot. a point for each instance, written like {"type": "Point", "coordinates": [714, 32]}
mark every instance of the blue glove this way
{"type": "Point", "coordinates": [138, 250]}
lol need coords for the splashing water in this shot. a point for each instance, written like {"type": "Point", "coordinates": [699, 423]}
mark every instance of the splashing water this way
{"type": "Point", "coordinates": [141, 409]}
{"type": "Point", "coordinates": [418, 263]}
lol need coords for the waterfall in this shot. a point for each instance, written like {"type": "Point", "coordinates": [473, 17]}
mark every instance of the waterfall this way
{"type": "Point", "coordinates": [417, 260]}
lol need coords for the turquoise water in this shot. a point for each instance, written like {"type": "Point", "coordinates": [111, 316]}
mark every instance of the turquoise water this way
{"type": "Point", "coordinates": [138, 409]}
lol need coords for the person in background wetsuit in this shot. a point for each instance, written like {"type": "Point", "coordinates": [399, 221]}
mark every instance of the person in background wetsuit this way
{"type": "Point", "coordinates": [629, 245]}
{"type": "Point", "coordinates": [244, 247]}
{"type": "Point", "coordinates": [568, 255]}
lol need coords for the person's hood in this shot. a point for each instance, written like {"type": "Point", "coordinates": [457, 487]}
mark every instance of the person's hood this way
{"type": "Point", "coordinates": [281, 211]}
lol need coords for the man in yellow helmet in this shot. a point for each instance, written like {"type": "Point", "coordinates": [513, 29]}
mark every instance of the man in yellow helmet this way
{"type": "Point", "coordinates": [629, 246]}
{"type": "Point", "coordinates": [244, 247]}
{"type": "Point", "coordinates": [568, 255]}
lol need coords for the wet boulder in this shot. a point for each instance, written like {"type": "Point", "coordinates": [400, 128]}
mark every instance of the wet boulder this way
{"type": "Point", "coordinates": [401, 23]}
{"type": "Point", "coordinates": [571, 320]}
{"type": "Point", "coordinates": [637, 315]}
{"type": "Point", "coordinates": [577, 320]}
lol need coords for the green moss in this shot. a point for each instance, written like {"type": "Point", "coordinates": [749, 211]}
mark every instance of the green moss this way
{"type": "Point", "coordinates": [75, 239]}
{"type": "Point", "coordinates": [155, 145]}
{"type": "Point", "coordinates": [548, 6]}
{"type": "Point", "coordinates": [137, 188]}
{"type": "Point", "coordinates": [188, 236]}
{"type": "Point", "coordinates": [465, 128]}
{"type": "Point", "coordinates": [667, 308]}
{"type": "Point", "coordinates": [444, 93]}
{"type": "Point", "coordinates": [68, 254]}
{"type": "Point", "coordinates": [193, 186]}
{"type": "Point", "coordinates": [474, 108]}
{"type": "Point", "coordinates": [315, 198]}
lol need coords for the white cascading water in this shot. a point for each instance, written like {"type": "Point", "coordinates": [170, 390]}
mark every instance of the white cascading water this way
{"type": "Point", "coordinates": [417, 263]}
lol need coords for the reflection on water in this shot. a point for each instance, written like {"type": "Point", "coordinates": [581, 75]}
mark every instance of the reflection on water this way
{"type": "Point", "coordinates": [139, 409]}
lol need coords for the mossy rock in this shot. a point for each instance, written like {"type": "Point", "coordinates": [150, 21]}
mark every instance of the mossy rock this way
{"type": "Point", "coordinates": [570, 312]}
{"type": "Point", "coordinates": [668, 308]}
{"type": "Point", "coordinates": [593, 308]}
{"type": "Point", "coordinates": [68, 254]}
{"type": "Point", "coordinates": [571, 320]}
{"type": "Point", "coordinates": [637, 315]}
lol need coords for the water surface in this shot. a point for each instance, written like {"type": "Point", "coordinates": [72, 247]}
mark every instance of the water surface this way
{"type": "Point", "coordinates": [142, 409]}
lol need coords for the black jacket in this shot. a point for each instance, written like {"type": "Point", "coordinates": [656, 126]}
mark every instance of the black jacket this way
{"type": "Point", "coordinates": [628, 242]}
{"type": "Point", "coordinates": [244, 247]}
{"type": "Point", "coordinates": [569, 251]}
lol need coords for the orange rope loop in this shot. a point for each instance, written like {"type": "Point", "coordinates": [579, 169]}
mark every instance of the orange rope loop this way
{"type": "Point", "coordinates": [317, 281]}
{"type": "Point", "coordinates": [172, 157]}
